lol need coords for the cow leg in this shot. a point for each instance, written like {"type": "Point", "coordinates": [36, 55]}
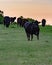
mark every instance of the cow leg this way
{"type": "Point", "coordinates": [38, 37]}
{"type": "Point", "coordinates": [31, 37]}
{"type": "Point", "coordinates": [28, 36]}
{"type": "Point", "coordinates": [7, 25]}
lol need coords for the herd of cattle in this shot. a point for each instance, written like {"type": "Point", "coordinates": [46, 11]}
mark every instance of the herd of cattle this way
{"type": "Point", "coordinates": [30, 27]}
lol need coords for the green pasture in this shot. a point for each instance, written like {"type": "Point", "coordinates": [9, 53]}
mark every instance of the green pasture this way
{"type": "Point", "coordinates": [15, 49]}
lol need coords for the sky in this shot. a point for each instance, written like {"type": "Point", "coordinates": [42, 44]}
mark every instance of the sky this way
{"type": "Point", "coordinates": [36, 9]}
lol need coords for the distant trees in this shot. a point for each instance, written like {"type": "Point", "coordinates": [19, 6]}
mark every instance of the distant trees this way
{"type": "Point", "coordinates": [1, 12]}
{"type": "Point", "coordinates": [30, 20]}
{"type": "Point", "coordinates": [1, 17]}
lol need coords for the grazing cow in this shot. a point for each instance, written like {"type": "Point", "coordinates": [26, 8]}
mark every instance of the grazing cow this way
{"type": "Point", "coordinates": [19, 21]}
{"type": "Point", "coordinates": [43, 22]}
{"type": "Point", "coordinates": [12, 19]}
{"type": "Point", "coordinates": [23, 21]}
{"type": "Point", "coordinates": [32, 28]}
{"type": "Point", "coordinates": [6, 21]}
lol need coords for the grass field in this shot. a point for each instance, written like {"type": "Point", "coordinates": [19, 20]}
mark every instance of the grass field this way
{"type": "Point", "coordinates": [16, 50]}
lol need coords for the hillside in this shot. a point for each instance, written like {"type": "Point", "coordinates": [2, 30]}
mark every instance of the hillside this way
{"type": "Point", "coordinates": [16, 50]}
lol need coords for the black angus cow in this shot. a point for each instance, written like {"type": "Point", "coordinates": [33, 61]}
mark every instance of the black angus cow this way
{"type": "Point", "coordinates": [43, 22]}
{"type": "Point", "coordinates": [6, 21]}
{"type": "Point", "coordinates": [24, 21]}
{"type": "Point", "coordinates": [12, 19]}
{"type": "Point", "coordinates": [21, 21]}
{"type": "Point", "coordinates": [32, 28]}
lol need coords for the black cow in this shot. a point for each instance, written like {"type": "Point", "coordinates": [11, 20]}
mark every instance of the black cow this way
{"type": "Point", "coordinates": [43, 22]}
{"type": "Point", "coordinates": [19, 21]}
{"type": "Point", "coordinates": [32, 28]}
{"type": "Point", "coordinates": [24, 21]}
{"type": "Point", "coordinates": [12, 19]}
{"type": "Point", "coordinates": [6, 21]}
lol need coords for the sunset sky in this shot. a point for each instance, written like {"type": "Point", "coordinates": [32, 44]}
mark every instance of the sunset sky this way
{"type": "Point", "coordinates": [36, 9]}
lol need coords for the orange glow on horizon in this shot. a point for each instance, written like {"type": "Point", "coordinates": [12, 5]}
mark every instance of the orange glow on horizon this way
{"type": "Point", "coordinates": [32, 9]}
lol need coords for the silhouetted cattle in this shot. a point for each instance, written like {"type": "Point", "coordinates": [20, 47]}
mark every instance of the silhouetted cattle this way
{"type": "Point", "coordinates": [43, 22]}
{"type": "Point", "coordinates": [24, 21]}
{"type": "Point", "coordinates": [12, 19]}
{"type": "Point", "coordinates": [6, 21]}
{"type": "Point", "coordinates": [32, 28]}
{"type": "Point", "coordinates": [21, 21]}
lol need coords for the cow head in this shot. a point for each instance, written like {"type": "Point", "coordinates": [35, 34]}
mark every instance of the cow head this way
{"type": "Point", "coordinates": [36, 23]}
